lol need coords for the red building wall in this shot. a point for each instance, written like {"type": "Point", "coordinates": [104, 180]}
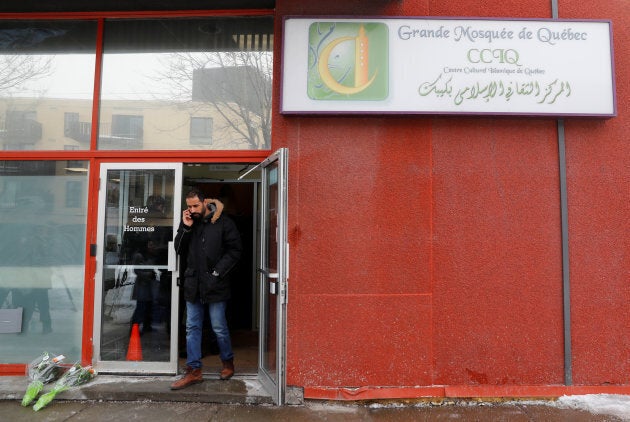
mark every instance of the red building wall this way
{"type": "Point", "coordinates": [427, 250]}
{"type": "Point", "coordinates": [598, 171]}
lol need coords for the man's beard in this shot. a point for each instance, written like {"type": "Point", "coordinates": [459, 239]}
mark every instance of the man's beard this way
{"type": "Point", "coordinates": [196, 216]}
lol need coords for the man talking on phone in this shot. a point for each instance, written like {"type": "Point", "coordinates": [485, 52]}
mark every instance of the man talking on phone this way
{"type": "Point", "coordinates": [211, 245]}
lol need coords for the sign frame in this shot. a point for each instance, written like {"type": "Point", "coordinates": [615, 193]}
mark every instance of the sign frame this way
{"type": "Point", "coordinates": [448, 66]}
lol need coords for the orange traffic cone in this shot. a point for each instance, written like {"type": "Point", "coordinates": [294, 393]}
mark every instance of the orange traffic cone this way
{"type": "Point", "coordinates": [134, 351]}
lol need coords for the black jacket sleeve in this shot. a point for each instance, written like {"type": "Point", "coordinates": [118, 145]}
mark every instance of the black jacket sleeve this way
{"type": "Point", "coordinates": [182, 239]}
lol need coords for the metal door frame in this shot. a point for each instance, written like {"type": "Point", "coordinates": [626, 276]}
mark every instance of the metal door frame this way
{"type": "Point", "coordinates": [131, 367]}
{"type": "Point", "coordinates": [274, 383]}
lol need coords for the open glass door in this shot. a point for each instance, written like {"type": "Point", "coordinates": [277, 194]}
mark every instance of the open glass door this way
{"type": "Point", "coordinates": [136, 298]}
{"type": "Point", "coordinates": [273, 274]}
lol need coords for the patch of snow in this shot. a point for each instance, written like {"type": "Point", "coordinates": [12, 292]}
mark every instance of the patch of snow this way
{"type": "Point", "coordinates": [615, 405]}
{"type": "Point", "coordinates": [109, 379]}
{"type": "Point", "coordinates": [607, 404]}
{"type": "Point", "coordinates": [333, 407]}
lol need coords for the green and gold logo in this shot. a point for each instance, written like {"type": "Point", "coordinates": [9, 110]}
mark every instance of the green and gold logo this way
{"type": "Point", "coordinates": [348, 61]}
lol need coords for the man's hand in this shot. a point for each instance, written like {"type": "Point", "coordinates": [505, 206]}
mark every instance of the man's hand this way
{"type": "Point", "coordinates": [186, 218]}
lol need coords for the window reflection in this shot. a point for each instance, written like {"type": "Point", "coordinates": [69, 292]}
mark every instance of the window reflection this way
{"type": "Point", "coordinates": [194, 83]}
{"type": "Point", "coordinates": [136, 284]}
{"type": "Point", "coordinates": [42, 221]}
{"type": "Point", "coordinates": [46, 74]}
{"type": "Point", "coordinates": [187, 83]}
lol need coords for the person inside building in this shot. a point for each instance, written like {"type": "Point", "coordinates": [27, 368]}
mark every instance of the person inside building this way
{"type": "Point", "coordinates": [146, 284]}
{"type": "Point", "coordinates": [211, 248]}
{"type": "Point", "coordinates": [150, 252]}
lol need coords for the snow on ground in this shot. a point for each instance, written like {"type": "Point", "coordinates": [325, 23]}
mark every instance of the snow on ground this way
{"type": "Point", "coordinates": [606, 404]}
{"type": "Point", "coordinates": [615, 405]}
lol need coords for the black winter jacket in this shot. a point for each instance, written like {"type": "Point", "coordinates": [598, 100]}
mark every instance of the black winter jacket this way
{"type": "Point", "coordinates": [208, 247]}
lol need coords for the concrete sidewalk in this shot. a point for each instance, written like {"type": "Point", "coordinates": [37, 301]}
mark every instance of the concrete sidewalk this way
{"type": "Point", "coordinates": [58, 410]}
{"type": "Point", "coordinates": [120, 398]}
{"type": "Point", "coordinates": [238, 390]}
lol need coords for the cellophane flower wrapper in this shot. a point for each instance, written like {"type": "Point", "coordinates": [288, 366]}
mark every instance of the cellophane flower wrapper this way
{"type": "Point", "coordinates": [44, 369]}
{"type": "Point", "coordinates": [33, 389]}
{"type": "Point", "coordinates": [75, 376]}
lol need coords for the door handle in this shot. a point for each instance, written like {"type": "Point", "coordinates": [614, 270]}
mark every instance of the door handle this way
{"type": "Point", "coordinates": [273, 285]}
{"type": "Point", "coordinates": [267, 273]}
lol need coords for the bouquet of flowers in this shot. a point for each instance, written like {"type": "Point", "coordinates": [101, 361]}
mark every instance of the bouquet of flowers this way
{"type": "Point", "coordinates": [73, 377]}
{"type": "Point", "coordinates": [44, 369]}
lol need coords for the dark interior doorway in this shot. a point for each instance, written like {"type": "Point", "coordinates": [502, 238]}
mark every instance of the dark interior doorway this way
{"type": "Point", "coordinates": [240, 205]}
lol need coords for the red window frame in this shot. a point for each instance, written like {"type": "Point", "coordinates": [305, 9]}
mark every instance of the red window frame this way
{"type": "Point", "coordinates": [96, 157]}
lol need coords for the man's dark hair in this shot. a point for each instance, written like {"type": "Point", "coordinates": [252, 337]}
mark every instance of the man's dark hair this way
{"type": "Point", "coordinates": [196, 192]}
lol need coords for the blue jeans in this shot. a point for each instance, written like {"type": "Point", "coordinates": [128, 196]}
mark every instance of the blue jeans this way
{"type": "Point", "coordinates": [194, 325]}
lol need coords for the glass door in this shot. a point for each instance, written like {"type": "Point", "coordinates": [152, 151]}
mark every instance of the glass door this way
{"type": "Point", "coordinates": [273, 274]}
{"type": "Point", "coordinates": [136, 298]}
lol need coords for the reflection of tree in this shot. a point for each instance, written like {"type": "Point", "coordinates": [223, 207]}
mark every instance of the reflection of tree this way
{"type": "Point", "coordinates": [236, 84]}
{"type": "Point", "coordinates": [18, 69]}
{"type": "Point", "coordinates": [18, 122]}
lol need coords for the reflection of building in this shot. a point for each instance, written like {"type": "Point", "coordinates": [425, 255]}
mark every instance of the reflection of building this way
{"type": "Point", "coordinates": [21, 129]}
{"type": "Point", "coordinates": [243, 85]}
{"type": "Point", "coordinates": [65, 124]}
{"type": "Point", "coordinates": [61, 123]}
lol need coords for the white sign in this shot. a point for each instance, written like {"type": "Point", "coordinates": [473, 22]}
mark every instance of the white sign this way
{"type": "Point", "coordinates": [447, 66]}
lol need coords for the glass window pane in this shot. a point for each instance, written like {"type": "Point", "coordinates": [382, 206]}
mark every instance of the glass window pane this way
{"type": "Point", "coordinates": [194, 83]}
{"type": "Point", "coordinates": [42, 252]}
{"type": "Point", "coordinates": [46, 76]}
{"type": "Point", "coordinates": [136, 287]}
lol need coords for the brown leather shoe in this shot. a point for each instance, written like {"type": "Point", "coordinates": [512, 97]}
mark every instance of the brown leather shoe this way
{"type": "Point", "coordinates": [228, 369]}
{"type": "Point", "coordinates": [192, 376]}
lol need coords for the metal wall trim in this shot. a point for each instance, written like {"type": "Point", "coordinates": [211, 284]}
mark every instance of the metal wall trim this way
{"type": "Point", "coordinates": [564, 218]}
